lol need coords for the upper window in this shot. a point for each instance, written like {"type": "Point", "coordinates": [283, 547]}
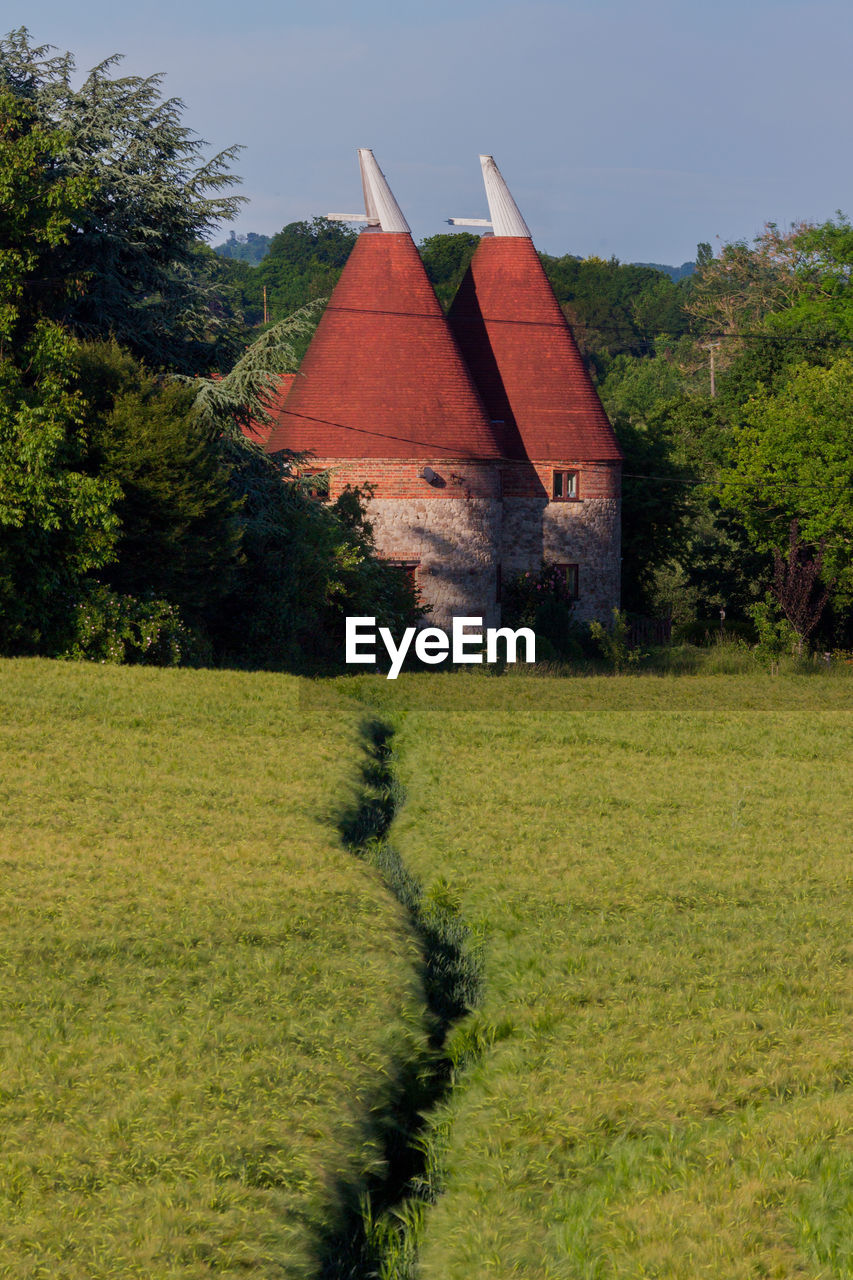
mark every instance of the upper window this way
{"type": "Point", "coordinates": [316, 484]}
{"type": "Point", "coordinates": [565, 486]}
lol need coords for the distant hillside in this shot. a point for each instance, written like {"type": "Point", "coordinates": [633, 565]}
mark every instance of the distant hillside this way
{"type": "Point", "coordinates": [674, 273]}
{"type": "Point", "coordinates": [249, 248]}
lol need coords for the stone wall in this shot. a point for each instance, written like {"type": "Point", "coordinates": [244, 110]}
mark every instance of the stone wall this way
{"type": "Point", "coordinates": [474, 521]}
{"type": "Point", "coordinates": [584, 533]}
{"type": "Point", "coordinates": [456, 543]}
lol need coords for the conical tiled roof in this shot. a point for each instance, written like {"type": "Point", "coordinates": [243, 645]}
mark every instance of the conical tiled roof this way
{"type": "Point", "coordinates": [523, 357]}
{"type": "Point", "coordinates": [383, 377]}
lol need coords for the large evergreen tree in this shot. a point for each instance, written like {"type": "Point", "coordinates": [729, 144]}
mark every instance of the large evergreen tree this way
{"type": "Point", "coordinates": [134, 253]}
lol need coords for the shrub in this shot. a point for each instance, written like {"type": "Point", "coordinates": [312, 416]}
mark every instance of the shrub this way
{"type": "Point", "coordinates": [613, 644]}
{"type": "Point", "coordinates": [776, 636]}
{"type": "Point", "coordinates": [543, 601]}
{"type": "Point", "coordinates": [713, 631]}
{"type": "Point", "coordinates": [107, 627]}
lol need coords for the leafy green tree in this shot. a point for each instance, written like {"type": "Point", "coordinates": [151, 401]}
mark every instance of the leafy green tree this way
{"type": "Point", "coordinates": [446, 258]}
{"type": "Point", "coordinates": [133, 250]}
{"type": "Point", "coordinates": [819, 321]}
{"type": "Point", "coordinates": [303, 264]}
{"type": "Point", "coordinates": [250, 248]}
{"type": "Point", "coordinates": [634, 388]}
{"type": "Point", "coordinates": [615, 308]}
{"type": "Point", "coordinates": [713, 564]}
{"type": "Point", "coordinates": [656, 503]}
{"type": "Point", "coordinates": [792, 461]}
{"type": "Point", "coordinates": [56, 521]}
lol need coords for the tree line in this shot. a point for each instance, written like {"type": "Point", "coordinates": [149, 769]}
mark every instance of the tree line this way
{"type": "Point", "coordinates": [136, 521]}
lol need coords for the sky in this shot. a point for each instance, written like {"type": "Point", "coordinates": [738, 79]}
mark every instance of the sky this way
{"type": "Point", "coordinates": [626, 129]}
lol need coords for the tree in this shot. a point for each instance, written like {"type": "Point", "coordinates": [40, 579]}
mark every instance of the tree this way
{"type": "Point", "coordinates": [446, 258]}
{"type": "Point", "coordinates": [792, 461]}
{"type": "Point", "coordinates": [655, 505]}
{"type": "Point", "coordinates": [56, 521]}
{"type": "Point", "coordinates": [821, 315]}
{"type": "Point", "coordinates": [133, 250]}
{"type": "Point", "coordinates": [303, 264]}
{"type": "Point", "coordinates": [735, 292]}
{"type": "Point", "coordinates": [305, 564]}
{"type": "Point", "coordinates": [797, 585]}
{"type": "Point", "coordinates": [711, 563]}
{"type": "Point", "coordinates": [249, 248]}
{"type": "Point", "coordinates": [634, 388]}
{"type": "Point", "coordinates": [180, 520]}
{"type": "Point", "coordinates": [615, 308]}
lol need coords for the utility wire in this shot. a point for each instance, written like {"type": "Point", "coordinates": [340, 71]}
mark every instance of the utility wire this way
{"type": "Point", "coordinates": [828, 340]}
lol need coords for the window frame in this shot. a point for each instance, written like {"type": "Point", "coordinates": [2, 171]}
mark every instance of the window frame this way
{"type": "Point", "coordinates": [316, 492]}
{"type": "Point", "coordinates": [574, 483]}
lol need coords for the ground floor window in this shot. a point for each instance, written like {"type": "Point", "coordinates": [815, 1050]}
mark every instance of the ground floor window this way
{"type": "Point", "coordinates": [411, 569]}
{"type": "Point", "coordinates": [569, 575]}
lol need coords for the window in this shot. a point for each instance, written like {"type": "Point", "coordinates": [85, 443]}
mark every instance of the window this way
{"type": "Point", "coordinates": [315, 484]}
{"type": "Point", "coordinates": [565, 487]}
{"type": "Point", "coordinates": [498, 583]}
{"type": "Point", "coordinates": [411, 569]}
{"type": "Point", "coordinates": [569, 575]}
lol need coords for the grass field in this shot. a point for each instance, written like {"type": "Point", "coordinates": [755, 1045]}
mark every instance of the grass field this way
{"type": "Point", "coordinates": [204, 997]}
{"type": "Point", "coordinates": [200, 992]}
{"type": "Point", "coordinates": [659, 871]}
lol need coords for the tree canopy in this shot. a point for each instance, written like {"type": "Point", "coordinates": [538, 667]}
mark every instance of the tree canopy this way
{"type": "Point", "coordinates": [56, 521]}
{"type": "Point", "coordinates": [133, 250]}
{"type": "Point", "coordinates": [792, 461]}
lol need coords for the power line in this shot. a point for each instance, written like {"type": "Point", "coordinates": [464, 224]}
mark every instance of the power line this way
{"type": "Point", "coordinates": [563, 323]}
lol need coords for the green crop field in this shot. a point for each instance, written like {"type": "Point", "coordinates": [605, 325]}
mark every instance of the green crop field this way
{"type": "Point", "coordinates": [200, 992]}
{"type": "Point", "coordinates": [659, 871]}
{"type": "Point", "coordinates": [204, 997]}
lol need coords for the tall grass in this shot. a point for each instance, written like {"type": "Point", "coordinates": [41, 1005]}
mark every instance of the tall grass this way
{"type": "Point", "coordinates": [659, 872]}
{"type": "Point", "coordinates": [200, 990]}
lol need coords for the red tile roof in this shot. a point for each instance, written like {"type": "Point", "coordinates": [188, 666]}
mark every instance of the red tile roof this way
{"type": "Point", "coordinates": [383, 377]}
{"type": "Point", "coordinates": [524, 359]}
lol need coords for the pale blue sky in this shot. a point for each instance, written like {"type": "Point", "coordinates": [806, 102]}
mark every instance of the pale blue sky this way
{"type": "Point", "coordinates": [622, 128]}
